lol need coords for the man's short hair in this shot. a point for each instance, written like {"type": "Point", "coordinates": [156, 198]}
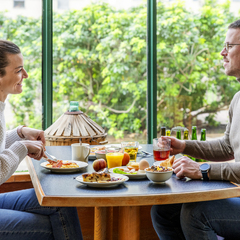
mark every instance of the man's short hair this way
{"type": "Point", "coordinates": [235, 24]}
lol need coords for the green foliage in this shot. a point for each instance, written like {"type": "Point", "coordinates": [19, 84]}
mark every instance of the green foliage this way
{"type": "Point", "coordinates": [100, 61]}
{"type": "Point", "coordinates": [190, 64]}
{"type": "Point", "coordinates": [26, 33]}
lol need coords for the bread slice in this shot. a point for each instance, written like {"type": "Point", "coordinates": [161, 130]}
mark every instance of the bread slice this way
{"type": "Point", "coordinates": [168, 162]}
{"type": "Point", "coordinates": [133, 165]}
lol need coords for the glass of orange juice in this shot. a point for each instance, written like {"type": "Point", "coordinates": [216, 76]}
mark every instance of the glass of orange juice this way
{"type": "Point", "coordinates": [114, 157]}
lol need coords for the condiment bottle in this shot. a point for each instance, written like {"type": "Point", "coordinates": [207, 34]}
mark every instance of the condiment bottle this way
{"type": "Point", "coordinates": [185, 135]}
{"type": "Point", "coordinates": [163, 131]}
{"type": "Point", "coordinates": [179, 134]}
{"type": "Point", "coordinates": [194, 137]}
{"type": "Point", "coordinates": [203, 138]}
{"type": "Point", "coordinates": [168, 132]}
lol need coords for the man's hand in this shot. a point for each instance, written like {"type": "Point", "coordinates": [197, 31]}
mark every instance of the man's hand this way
{"type": "Point", "coordinates": [35, 149]}
{"type": "Point", "coordinates": [33, 134]}
{"type": "Point", "coordinates": [185, 167]}
{"type": "Point", "coordinates": [177, 146]}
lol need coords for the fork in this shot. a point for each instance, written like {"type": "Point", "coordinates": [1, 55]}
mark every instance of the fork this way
{"type": "Point", "coordinates": [147, 153]}
{"type": "Point", "coordinates": [52, 157]}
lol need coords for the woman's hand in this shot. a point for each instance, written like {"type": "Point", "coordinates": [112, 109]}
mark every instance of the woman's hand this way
{"type": "Point", "coordinates": [33, 134]}
{"type": "Point", "coordinates": [185, 167]}
{"type": "Point", "coordinates": [35, 149]}
{"type": "Point", "coordinates": [177, 146]}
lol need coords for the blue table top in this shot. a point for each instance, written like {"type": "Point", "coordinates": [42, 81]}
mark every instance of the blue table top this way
{"type": "Point", "coordinates": [61, 185]}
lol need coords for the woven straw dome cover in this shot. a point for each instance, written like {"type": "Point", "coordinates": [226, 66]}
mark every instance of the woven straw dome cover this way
{"type": "Point", "coordinates": [74, 125]}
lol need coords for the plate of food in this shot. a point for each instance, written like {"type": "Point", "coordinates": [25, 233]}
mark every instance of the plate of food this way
{"type": "Point", "coordinates": [119, 145]}
{"type": "Point", "coordinates": [132, 174]}
{"type": "Point", "coordinates": [64, 166]}
{"type": "Point", "coordinates": [101, 180]}
{"type": "Point", "coordinates": [102, 148]}
{"type": "Point", "coordinates": [95, 149]}
{"type": "Point", "coordinates": [134, 170]}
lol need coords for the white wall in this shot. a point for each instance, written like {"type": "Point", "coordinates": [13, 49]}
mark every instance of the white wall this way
{"type": "Point", "coordinates": [33, 8]}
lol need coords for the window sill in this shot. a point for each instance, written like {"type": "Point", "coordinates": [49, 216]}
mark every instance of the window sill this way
{"type": "Point", "coordinates": [18, 181]}
{"type": "Point", "coordinates": [19, 177]}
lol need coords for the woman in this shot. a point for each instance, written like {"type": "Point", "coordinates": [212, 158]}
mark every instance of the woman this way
{"type": "Point", "coordinates": [21, 216]}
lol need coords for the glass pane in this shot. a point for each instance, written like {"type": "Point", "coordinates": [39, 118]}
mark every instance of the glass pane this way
{"type": "Point", "coordinates": [19, 4]}
{"type": "Point", "coordinates": [23, 27]}
{"type": "Point", "coordinates": [100, 61]}
{"type": "Point", "coordinates": [63, 4]}
{"type": "Point", "coordinates": [192, 87]}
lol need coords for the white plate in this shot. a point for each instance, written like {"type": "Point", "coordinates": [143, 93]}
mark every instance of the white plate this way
{"type": "Point", "coordinates": [93, 156]}
{"type": "Point", "coordinates": [66, 170]}
{"type": "Point", "coordinates": [131, 176]}
{"type": "Point", "coordinates": [104, 185]}
{"type": "Point", "coordinates": [119, 145]}
{"type": "Point", "coordinates": [157, 163]}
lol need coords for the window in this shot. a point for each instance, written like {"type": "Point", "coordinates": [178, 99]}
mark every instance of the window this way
{"type": "Point", "coordinates": [99, 60]}
{"type": "Point", "coordinates": [19, 3]}
{"type": "Point", "coordinates": [63, 4]}
{"type": "Point", "coordinates": [192, 88]}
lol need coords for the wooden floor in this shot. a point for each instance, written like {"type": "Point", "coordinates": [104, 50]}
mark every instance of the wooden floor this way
{"type": "Point", "coordinates": [21, 181]}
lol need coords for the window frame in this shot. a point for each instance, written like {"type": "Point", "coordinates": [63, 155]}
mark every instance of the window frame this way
{"type": "Point", "coordinates": [47, 63]}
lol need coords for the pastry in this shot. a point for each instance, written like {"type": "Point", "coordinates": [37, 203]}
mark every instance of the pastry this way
{"type": "Point", "coordinates": [96, 177]}
{"type": "Point", "coordinates": [168, 162]}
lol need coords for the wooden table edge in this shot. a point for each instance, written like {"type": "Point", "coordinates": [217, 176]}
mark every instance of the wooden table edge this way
{"type": "Point", "coordinates": [104, 204]}
{"type": "Point", "coordinates": [136, 200]}
{"type": "Point", "coordinates": [35, 181]}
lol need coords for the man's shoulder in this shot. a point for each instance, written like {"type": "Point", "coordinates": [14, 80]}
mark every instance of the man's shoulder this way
{"type": "Point", "coordinates": [236, 97]}
{"type": "Point", "coordinates": [235, 101]}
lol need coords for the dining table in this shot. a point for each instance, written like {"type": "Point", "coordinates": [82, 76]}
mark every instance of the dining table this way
{"type": "Point", "coordinates": [63, 190]}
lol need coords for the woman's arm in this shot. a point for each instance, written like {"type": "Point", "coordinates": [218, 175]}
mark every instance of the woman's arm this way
{"type": "Point", "coordinates": [11, 137]}
{"type": "Point", "coordinates": [10, 159]}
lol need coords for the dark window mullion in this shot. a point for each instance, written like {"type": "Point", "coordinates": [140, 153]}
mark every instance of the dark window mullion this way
{"type": "Point", "coordinates": [47, 63]}
{"type": "Point", "coordinates": [151, 71]}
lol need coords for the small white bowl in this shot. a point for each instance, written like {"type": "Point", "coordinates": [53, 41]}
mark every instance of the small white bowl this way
{"type": "Point", "coordinates": [100, 154]}
{"type": "Point", "coordinates": [159, 176]}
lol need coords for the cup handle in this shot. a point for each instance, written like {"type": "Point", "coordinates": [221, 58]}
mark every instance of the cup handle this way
{"type": "Point", "coordinates": [88, 153]}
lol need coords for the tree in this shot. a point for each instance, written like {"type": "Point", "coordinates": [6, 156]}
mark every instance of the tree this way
{"type": "Point", "coordinates": [100, 60]}
{"type": "Point", "coordinates": [189, 63]}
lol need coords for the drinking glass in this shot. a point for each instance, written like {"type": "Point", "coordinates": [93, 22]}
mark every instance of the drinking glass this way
{"type": "Point", "coordinates": [114, 157]}
{"type": "Point", "coordinates": [131, 148]}
{"type": "Point", "coordinates": [161, 148]}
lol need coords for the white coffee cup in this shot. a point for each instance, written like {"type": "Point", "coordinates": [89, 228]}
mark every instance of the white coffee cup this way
{"type": "Point", "coordinates": [80, 152]}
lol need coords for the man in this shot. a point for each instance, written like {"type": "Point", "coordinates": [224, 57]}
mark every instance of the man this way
{"type": "Point", "coordinates": [206, 220]}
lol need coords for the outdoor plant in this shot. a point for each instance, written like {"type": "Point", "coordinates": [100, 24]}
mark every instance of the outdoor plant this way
{"type": "Point", "coordinates": [100, 61]}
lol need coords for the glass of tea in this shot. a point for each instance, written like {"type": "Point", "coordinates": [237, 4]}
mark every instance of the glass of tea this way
{"type": "Point", "coordinates": [131, 148]}
{"type": "Point", "coordinates": [161, 148]}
